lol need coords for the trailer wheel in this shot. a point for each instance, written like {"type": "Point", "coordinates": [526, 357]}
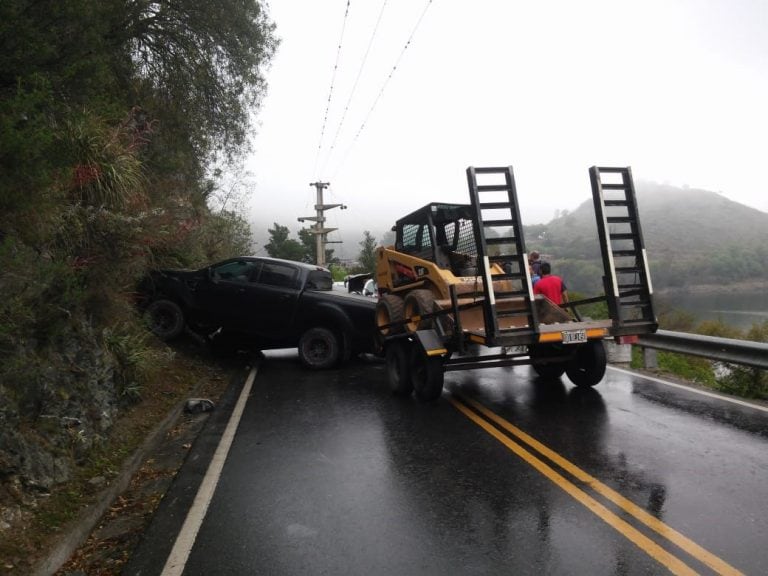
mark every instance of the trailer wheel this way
{"type": "Point", "coordinates": [418, 303]}
{"type": "Point", "coordinates": [165, 319]}
{"type": "Point", "coordinates": [588, 366]}
{"type": "Point", "coordinates": [389, 309]}
{"type": "Point", "coordinates": [427, 375]}
{"type": "Point", "coordinates": [551, 370]}
{"type": "Point", "coordinates": [398, 368]}
{"type": "Point", "coordinates": [319, 348]}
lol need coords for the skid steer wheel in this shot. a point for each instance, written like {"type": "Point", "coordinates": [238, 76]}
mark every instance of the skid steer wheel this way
{"type": "Point", "coordinates": [588, 365]}
{"type": "Point", "coordinates": [389, 309]}
{"type": "Point", "coordinates": [165, 319]}
{"type": "Point", "coordinates": [418, 303]}
{"type": "Point", "coordinates": [398, 357]}
{"type": "Point", "coordinates": [549, 371]}
{"type": "Point", "coordinates": [319, 348]}
{"type": "Point", "coordinates": [427, 375]}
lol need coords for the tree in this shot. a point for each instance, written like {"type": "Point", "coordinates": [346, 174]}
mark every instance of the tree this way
{"type": "Point", "coordinates": [191, 71]}
{"type": "Point", "coordinates": [280, 246]}
{"type": "Point", "coordinates": [308, 239]}
{"type": "Point", "coordinates": [218, 47]}
{"type": "Point", "coordinates": [113, 114]}
{"type": "Point", "coordinates": [226, 234]}
{"type": "Point", "coordinates": [367, 256]}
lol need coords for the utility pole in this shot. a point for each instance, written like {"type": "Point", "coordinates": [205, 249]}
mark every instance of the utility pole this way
{"type": "Point", "coordinates": [320, 231]}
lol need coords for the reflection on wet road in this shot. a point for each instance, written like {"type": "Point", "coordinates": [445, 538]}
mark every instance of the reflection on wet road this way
{"type": "Point", "coordinates": [330, 474]}
{"type": "Point", "coordinates": [487, 419]}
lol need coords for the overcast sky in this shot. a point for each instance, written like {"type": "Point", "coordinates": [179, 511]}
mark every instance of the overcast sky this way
{"type": "Point", "coordinates": [678, 90]}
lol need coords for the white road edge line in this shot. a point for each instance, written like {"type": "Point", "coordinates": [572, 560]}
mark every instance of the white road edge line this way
{"type": "Point", "coordinates": [179, 555]}
{"type": "Point", "coordinates": [691, 389]}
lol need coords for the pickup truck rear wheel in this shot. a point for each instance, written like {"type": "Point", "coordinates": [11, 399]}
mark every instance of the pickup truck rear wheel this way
{"type": "Point", "coordinates": [319, 348]}
{"type": "Point", "coordinates": [389, 309]}
{"type": "Point", "coordinates": [588, 365]}
{"type": "Point", "coordinates": [398, 357]}
{"type": "Point", "coordinates": [165, 319]}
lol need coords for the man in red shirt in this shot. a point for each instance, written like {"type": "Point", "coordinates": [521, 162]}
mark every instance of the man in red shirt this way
{"type": "Point", "coordinates": [550, 285]}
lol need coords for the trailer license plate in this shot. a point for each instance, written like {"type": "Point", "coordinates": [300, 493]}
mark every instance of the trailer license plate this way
{"type": "Point", "coordinates": [516, 350]}
{"type": "Point", "coordinates": [574, 337]}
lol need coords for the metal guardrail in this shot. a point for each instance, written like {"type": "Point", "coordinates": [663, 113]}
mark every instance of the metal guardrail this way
{"type": "Point", "coordinates": [754, 354]}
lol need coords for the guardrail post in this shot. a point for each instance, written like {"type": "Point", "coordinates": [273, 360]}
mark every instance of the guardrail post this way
{"type": "Point", "coordinates": [618, 353]}
{"type": "Point", "coordinates": [650, 360]}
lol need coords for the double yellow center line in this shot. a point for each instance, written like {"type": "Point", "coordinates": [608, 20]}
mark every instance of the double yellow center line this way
{"type": "Point", "coordinates": [514, 438]}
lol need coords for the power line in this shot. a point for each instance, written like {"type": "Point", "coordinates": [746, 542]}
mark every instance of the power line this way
{"type": "Point", "coordinates": [386, 82]}
{"type": "Point", "coordinates": [354, 86]}
{"type": "Point", "coordinates": [333, 80]}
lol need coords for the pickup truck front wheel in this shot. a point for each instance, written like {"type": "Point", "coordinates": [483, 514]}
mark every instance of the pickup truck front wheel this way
{"type": "Point", "coordinates": [319, 348]}
{"type": "Point", "coordinates": [165, 319]}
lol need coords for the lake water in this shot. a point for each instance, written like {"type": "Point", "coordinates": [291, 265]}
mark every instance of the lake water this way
{"type": "Point", "coordinates": [737, 309]}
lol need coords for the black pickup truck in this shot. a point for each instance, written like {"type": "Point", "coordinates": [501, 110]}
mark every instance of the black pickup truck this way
{"type": "Point", "coordinates": [273, 303]}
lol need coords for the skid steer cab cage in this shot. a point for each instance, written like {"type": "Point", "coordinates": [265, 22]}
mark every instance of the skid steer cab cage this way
{"type": "Point", "coordinates": [457, 282]}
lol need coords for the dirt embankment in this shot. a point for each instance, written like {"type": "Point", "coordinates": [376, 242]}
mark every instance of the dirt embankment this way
{"type": "Point", "coordinates": [35, 519]}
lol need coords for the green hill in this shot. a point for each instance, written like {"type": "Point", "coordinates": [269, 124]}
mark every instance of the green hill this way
{"type": "Point", "coordinates": [693, 237]}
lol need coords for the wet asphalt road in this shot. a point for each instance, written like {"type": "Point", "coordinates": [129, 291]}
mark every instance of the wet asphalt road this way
{"type": "Point", "coordinates": [330, 474]}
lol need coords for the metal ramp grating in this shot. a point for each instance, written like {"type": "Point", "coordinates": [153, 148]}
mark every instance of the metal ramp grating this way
{"type": "Point", "coordinates": [627, 280]}
{"type": "Point", "coordinates": [500, 241]}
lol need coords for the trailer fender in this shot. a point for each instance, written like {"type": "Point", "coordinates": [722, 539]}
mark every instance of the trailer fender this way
{"type": "Point", "coordinates": [427, 365]}
{"type": "Point", "coordinates": [430, 343]}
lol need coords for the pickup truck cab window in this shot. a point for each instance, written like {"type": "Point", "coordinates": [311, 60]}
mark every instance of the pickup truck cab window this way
{"type": "Point", "coordinates": [275, 274]}
{"type": "Point", "coordinates": [240, 271]}
{"type": "Point", "coordinates": [319, 280]}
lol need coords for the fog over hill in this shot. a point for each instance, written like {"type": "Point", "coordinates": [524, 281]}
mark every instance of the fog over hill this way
{"type": "Point", "coordinates": [677, 221]}
{"type": "Point", "coordinates": [692, 236]}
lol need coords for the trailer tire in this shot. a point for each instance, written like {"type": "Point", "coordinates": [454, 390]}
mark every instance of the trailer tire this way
{"type": "Point", "coordinates": [389, 309]}
{"type": "Point", "coordinates": [418, 303]}
{"type": "Point", "coordinates": [165, 319]}
{"type": "Point", "coordinates": [398, 368]}
{"type": "Point", "coordinates": [427, 375]}
{"type": "Point", "coordinates": [550, 371]}
{"type": "Point", "coordinates": [588, 365]}
{"type": "Point", "coordinates": [319, 348]}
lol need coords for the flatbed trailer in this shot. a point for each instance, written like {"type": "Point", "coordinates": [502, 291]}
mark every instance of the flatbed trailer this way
{"type": "Point", "coordinates": [458, 278]}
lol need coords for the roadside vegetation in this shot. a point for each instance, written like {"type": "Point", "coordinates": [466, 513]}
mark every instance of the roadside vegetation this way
{"type": "Point", "coordinates": [729, 378]}
{"type": "Point", "coordinates": [281, 245]}
{"type": "Point", "coordinates": [117, 120]}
